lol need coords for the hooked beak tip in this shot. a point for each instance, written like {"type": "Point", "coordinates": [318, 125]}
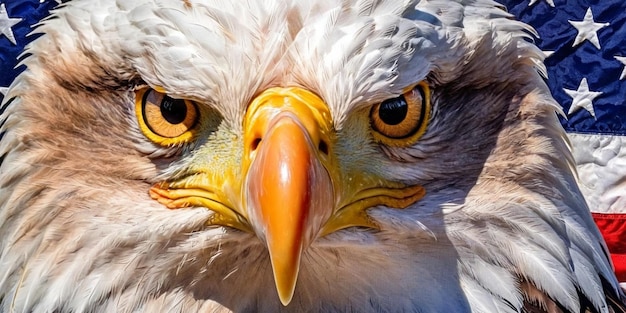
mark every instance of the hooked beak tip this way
{"type": "Point", "coordinates": [286, 283]}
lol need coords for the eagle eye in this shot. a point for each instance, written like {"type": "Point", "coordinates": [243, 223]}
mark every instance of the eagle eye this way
{"type": "Point", "coordinates": [402, 120]}
{"type": "Point", "coordinates": [163, 119]}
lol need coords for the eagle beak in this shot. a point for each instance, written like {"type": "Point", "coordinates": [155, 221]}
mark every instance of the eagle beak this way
{"type": "Point", "coordinates": [289, 194]}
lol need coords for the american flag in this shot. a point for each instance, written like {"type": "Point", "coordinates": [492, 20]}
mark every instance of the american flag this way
{"type": "Point", "coordinates": [585, 45]}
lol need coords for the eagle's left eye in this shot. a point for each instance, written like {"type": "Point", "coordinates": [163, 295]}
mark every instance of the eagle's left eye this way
{"type": "Point", "coordinates": [163, 119]}
{"type": "Point", "coordinates": [402, 120]}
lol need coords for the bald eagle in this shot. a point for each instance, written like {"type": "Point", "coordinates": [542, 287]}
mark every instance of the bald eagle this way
{"type": "Point", "coordinates": [291, 156]}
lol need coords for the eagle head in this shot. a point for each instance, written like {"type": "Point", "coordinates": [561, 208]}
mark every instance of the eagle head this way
{"type": "Point", "coordinates": [353, 155]}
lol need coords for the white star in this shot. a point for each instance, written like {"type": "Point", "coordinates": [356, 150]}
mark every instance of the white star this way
{"type": "Point", "coordinates": [550, 2]}
{"type": "Point", "coordinates": [3, 90]}
{"type": "Point", "coordinates": [547, 53]}
{"type": "Point", "coordinates": [582, 98]}
{"type": "Point", "coordinates": [623, 60]}
{"type": "Point", "coordinates": [588, 30]}
{"type": "Point", "coordinates": [6, 23]}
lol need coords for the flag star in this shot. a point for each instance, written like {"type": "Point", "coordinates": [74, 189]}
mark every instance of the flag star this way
{"type": "Point", "coordinates": [623, 60]}
{"type": "Point", "coordinates": [588, 29]}
{"type": "Point", "coordinates": [547, 53]}
{"type": "Point", "coordinates": [550, 2]}
{"type": "Point", "coordinates": [3, 90]}
{"type": "Point", "coordinates": [582, 98]}
{"type": "Point", "coordinates": [6, 23]}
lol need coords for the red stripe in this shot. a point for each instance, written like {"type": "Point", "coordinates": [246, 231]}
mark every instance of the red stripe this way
{"type": "Point", "coordinates": [613, 229]}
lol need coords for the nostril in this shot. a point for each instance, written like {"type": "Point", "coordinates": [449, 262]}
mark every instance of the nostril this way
{"type": "Point", "coordinates": [323, 147]}
{"type": "Point", "coordinates": [255, 144]}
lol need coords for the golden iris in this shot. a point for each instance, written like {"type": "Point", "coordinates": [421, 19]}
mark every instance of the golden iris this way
{"type": "Point", "coordinates": [402, 120]}
{"type": "Point", "coordinates": [163, 119]}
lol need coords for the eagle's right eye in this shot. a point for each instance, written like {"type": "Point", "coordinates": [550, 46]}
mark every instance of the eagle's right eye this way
{"type": "Point", "coordinates": [163, 119]}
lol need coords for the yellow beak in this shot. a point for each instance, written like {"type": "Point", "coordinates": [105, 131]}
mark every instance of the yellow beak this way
{"type": "Point", "coordinates": [289, 189]}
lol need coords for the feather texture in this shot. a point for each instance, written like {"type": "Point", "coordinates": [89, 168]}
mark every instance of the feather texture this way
{"type": "Point", "coordinates": [502, 228]}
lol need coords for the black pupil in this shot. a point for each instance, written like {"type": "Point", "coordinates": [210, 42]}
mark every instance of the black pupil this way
{"type": "Point", "coordinates": [174, 111]}
{"type": "Point", "coordinates": [393, 111]}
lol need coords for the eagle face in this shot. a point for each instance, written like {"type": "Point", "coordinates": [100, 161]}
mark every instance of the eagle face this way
{"type": "Point", "coordinates": [197, 155]}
